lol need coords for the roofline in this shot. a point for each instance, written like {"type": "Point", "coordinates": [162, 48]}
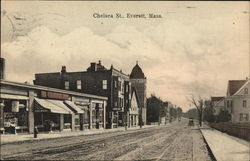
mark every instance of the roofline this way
{"type": "Point", "coordinates": [247, 81]}
{"type": "Point", "coordinates": [31, 86]}
{"type": "Point", "coordinates": [120, 72]}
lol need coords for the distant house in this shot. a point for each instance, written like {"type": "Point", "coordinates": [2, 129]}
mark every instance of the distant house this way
{"type": "Point", "coordinates": [238, 100]}
{"type": "Point", "coordinates": [218, 104]}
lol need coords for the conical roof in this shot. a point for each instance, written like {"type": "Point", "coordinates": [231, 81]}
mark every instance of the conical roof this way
{"type": "Point", "coordinates": [137, 72]}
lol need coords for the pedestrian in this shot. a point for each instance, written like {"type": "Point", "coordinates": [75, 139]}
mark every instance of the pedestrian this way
{"type": "Point", "coordinates": [36, 132]}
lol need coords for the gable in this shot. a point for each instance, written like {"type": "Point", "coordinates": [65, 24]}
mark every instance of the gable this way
{"type": "Point", "coordinates": [134, 102]}
{"type": "Point", "coordinates": [244, 90]}
{"type": "Point", "coordinates": [234, 86]}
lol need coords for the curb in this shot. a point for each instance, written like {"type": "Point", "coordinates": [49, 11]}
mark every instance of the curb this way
{"type": "Point", "coordinates": [83, 134]}
{"type": "Point", "coordinates": [212, 156]}
{"type": "Point", "coordinates": [55, 138]}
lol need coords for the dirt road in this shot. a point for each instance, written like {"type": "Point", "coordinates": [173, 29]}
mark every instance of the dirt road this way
{"type": "Point", "coordinates": [175, 141]}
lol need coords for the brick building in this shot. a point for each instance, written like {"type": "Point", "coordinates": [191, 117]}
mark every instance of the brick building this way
{"type": "Point", "coordinates": [96, 80]}
{"type": "Point", "coordinates": [139, 82]}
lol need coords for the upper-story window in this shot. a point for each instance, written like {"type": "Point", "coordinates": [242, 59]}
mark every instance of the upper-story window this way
{"type": "Point", "coordinates": [246, 91]}
{"type": "Point", "coordinates": [127, 87]}
{"type": "Point", "coordinates": [104, 84]}
{"type": "Point", "coordinates": [244, 103]}
{"type": "Point", "coordinates": [115, 84]}
{"type": "Point", "coordinates": [66, 85]}
{"type": "Point", "coordinates": [79, 84]}
{"type": "Point", "coordinates": [119, 85]}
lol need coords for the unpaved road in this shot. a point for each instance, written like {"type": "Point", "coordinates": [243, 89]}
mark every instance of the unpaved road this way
{"type": "Point", "coordinates": [176, 141]}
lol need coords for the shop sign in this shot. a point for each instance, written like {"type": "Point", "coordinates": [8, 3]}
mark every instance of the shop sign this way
{"type": "Point", "coordinates": [45, 94]}
{"type": "Point", "coordinates": [15, 106]}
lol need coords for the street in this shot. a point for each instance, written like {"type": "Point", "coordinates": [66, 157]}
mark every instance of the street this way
{"type": "Point", "coordinates": [175, 141]}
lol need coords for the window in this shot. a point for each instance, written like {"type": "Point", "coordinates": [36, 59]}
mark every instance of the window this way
{"type": "Point", "coordinates": [244, 103]}
{"type": "Point", "coordinates": [241, 116]}
{"type": "Point", "coordinates": [66, 84]}
{"type": "Point", "coordinates": [246, 91]}
{"type": "Point", "coordinates": [115, 103]}
{"type": "Point", "coordinates": [104, 84]}
{"type": "Point", "coordinates": [119, 85]}
{"type": "Point", "coordinates": [79, 84]}
{"type": "Point", "coordinates": [244, 117]}
{"type": "Point", "coordinates": [115, 84]}
{"type": "Point", "coordinates": [127, 86]}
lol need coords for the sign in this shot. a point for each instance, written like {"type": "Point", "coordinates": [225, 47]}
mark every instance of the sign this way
{"type": "Point", "coordinates": [45, 94]}
{"type": "Point", "coordinates": [15, 106]}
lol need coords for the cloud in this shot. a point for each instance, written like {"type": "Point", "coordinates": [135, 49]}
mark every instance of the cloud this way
{"type": "Point", "coordinates": [178, 59]}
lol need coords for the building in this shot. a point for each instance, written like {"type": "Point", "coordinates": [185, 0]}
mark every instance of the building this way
{"type": "Point", "coordinates": [218, 104]}
{"type": "Point", "coordinates": [139, 82]}
{"type": "Point", "coordinates": [24, 106]}
{"type": "Point", "coordinates": [238, 100]}
{"type": "Point", "coordinates": [96, 80]}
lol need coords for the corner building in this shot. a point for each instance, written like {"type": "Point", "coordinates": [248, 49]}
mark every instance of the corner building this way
{"type": "Point", "coordinates": [97, 80]}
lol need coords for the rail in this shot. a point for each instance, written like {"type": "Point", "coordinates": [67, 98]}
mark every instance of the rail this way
{"type": "Point", "coordinates": [241, 130]}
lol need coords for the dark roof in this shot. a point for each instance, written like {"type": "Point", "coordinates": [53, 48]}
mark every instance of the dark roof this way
{"type": "Point", "coordinates": [137, 72]}
{"type": "Point", "coordinates": [217, 98]}
{"type": "Point", "coordinates": [234, 86]}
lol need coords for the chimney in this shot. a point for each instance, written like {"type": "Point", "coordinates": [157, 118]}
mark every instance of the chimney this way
{"type": "Point", "coordinates": [93, 67]}
{"type": "Point", "coordinates": [63, 69]}
{"type": "Point", "coordinates": [2, 70]}
{"type": "Point", "coordinates": [99, 62]}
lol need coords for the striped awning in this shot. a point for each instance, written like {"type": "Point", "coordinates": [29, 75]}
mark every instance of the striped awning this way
{"type": "Point", "coordinates": [54, 106]}
{"type": "Point", "coordinates": [74, 107]}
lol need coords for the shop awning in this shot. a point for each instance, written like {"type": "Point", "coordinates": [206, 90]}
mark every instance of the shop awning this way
{"type": "Point", "coordinates": [75, 107]}
{"type": "Point", "coordinates": [14, 97]}
{"type": "Point", "coordinates": [54, 106]}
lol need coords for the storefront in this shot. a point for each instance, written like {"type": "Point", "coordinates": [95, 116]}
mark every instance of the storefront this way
{"type": "Point", "coordinates": [24, 106]}
{"type": "Point", "coordinates": [14, 113]}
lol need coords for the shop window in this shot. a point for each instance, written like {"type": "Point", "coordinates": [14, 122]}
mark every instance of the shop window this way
{"type": "Point", "coordinates": [79, 84]}
{"type": "Point", "coordinates": [94, 116]}
{"type": "Point", "coordinates": [244, 104]}
{"type": "Point", "coordinates": [66, 85]}
{"type": "Point", "coordinates": [104, 84]}
{"type": "Point", "coordinates": [86, 117]}
{"type": "Point", "coordinates": [101, 116]}
{"type": "Point", "coordinates": [77, 120]}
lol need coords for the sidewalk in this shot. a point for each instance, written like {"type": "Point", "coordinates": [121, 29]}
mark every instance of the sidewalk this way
{"type": "Point", "coordinates": [12, 138]}
{"type": "Point", "coordinates": [225, 147]}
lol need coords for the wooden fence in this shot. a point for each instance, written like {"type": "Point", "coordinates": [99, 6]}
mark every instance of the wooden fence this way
{"type": "Point", "coordinates": [241, 130]}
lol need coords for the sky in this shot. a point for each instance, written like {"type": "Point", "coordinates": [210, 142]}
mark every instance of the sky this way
{"type": "Point", "coordinates": [194, 49]}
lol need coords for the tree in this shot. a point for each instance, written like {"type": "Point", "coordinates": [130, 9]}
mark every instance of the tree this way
{"type": "Point", "coordinates": [208, 111]}
{"type": "Point", "coordinates": [199, 105]}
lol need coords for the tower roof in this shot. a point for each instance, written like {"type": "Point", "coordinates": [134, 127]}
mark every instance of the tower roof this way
{"type": "Point", "coordinates": [137, 72]}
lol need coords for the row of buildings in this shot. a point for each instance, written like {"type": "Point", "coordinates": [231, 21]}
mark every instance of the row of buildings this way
{"type": "Point", "coordinates": [93, 99]}
{"type": "Point", "coordinates": [236, 102]}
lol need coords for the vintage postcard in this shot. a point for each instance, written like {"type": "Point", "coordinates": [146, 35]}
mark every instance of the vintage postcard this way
{"type": "Point", "coordinates": [125, 80]}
